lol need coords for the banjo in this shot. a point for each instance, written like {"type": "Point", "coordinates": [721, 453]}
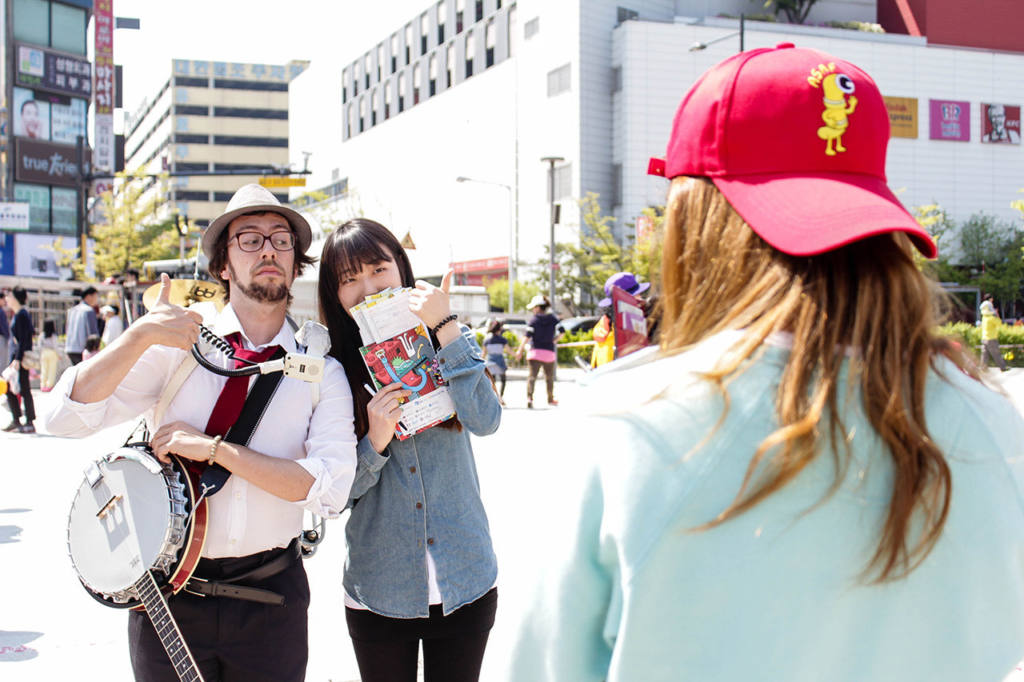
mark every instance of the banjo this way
{"type": "Point", "coordinates": [135, 532]}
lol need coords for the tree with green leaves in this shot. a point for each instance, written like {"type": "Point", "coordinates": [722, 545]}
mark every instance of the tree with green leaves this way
{"type": "Point", "coordinates": [130, 231]}
{"type": "Point", "coordinates": [522, 292]}
{"type": "Point", "coordinates": [796, 11]}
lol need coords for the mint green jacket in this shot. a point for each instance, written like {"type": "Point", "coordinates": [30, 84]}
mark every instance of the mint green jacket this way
{"type": "Point", "coordinates": [627, 590]}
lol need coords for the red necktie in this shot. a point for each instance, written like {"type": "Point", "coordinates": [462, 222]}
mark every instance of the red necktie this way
{"type": "Point", "coordinates": [232, 397]}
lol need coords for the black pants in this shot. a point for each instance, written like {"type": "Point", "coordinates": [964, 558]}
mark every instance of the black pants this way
{"type": "Point", "coordinates": [387, 649]}
{"type": "Point", "coordinates": [74, 357]}
{"type": "Point", "coordinates": [26, 397]}
{"type": "Point", "coordinates": [232, 640]}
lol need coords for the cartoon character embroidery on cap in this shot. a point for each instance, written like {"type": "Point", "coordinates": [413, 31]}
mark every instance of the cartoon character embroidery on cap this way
{"type": "Point", "coordinates": [836, 87]}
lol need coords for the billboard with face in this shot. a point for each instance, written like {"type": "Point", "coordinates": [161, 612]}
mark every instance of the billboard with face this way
{"type": "Point", "coordinates": [31, 116]}
{"type": "Point", "coordinates": [1000, 123]}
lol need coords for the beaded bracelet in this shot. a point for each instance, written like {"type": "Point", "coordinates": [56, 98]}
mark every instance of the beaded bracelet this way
{"type": "Point", "coordinates": [213, 450]}
{"type": "Point", "coordinates": [450, 318]}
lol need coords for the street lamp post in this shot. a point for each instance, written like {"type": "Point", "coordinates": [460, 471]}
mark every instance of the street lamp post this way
{"type": "Point", "coordinates": [700, 46]}
{"type": "Point", "coordinates": [512, 255]}
{"type": "Point", "coordinates": [551, 161]}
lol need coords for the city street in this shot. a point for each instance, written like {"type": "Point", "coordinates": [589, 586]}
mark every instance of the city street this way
{"type": "Point", "coordinates": [51, 630]}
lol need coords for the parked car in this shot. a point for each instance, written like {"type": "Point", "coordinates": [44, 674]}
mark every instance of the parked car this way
{"type": "Point", "coordinates": [577, 324]}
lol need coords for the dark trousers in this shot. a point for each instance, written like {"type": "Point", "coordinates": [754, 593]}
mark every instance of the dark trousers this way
{"type": "Point", "coordinates": [387, 649]}
{"type": "Point", "coordinates": [25, 396]}
{"type": "Point", "coordinates": [74, 357]}
{"type": "Point", "coordinates": [549, 378]}
{"type": "Point", "coordinates": [232, 640]}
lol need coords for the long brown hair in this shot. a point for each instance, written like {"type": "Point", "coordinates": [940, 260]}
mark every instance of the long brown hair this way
{"type": "Point", "coordinates": [352, 245]}
{"type": "Point", "coordinates": [718, 274]}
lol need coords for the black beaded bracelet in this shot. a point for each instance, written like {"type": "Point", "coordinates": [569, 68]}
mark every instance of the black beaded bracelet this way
{"type": "Point", "coordinates": [450, 318]}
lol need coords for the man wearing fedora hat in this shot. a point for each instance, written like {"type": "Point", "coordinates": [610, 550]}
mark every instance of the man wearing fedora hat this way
{"type": "Point", "coordinates": [300, 456]}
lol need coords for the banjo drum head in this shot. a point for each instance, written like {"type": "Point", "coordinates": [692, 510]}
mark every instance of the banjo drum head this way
{"type": "Point", "coordinates": [123, 524]}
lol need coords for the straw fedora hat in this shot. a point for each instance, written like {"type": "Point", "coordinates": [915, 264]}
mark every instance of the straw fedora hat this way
{"type": "Point", "coordinates": [255, 198]}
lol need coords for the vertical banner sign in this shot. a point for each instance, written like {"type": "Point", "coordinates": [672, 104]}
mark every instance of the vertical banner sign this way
{"type": "Point", "coordinates": [103, 88]}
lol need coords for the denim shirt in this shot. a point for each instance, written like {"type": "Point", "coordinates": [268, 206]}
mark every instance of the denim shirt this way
{"type": "Point", "coordinates": [422, 492]}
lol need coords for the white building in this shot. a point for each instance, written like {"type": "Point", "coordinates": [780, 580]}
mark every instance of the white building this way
{"type": "Point", "coordinates": [398, 119]}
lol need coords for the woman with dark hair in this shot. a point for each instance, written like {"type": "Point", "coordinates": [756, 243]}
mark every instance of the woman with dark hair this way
{"type": "Point", "coordinates": [805, 481]}
{"type": "Point", "coordinates": [494, 348]}
{"type": "Point", "coordinates": [539, 346]}
{"type": "Point", "coordinates": [48, 358]}
{"type": "Point", "coordinates": [420, 563]}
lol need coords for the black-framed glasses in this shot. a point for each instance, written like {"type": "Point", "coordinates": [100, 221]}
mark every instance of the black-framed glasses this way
{"type": "Point", "coordinates": [254, 241]}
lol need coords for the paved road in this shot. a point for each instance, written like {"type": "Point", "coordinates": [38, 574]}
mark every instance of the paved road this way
{"type": "Point", "coordinates": [50, 629]}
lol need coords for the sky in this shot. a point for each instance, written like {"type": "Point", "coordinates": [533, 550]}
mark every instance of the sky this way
{"type": "Point", "coordinates": [262, 31]}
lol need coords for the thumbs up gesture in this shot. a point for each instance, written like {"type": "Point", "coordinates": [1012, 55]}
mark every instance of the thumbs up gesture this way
{"type": "Point", "coordinates": [431, 304]}
{"type": "Point", "coordinates": [168, 324]}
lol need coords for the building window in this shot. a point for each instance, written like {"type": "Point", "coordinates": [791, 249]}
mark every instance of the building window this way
{"type": "Point", "coordinates": [380, 60]}
{"type": "Point", "coordinates": [408, 43]}
{"type": "Point", "coordinates": [460, 8]}
{"type": "Point", "coordinates": [616, 79]}
{"type": "Point", "coordinates": [531, 28]}
{"type": "Point", "coordinates": [249, 85]}
{"type": "Point", "coordinates": [616, 184]}
{"type": "Point", "coordinates": [367, 67]}
{"type": "Point", "coordinates": [67, 28]}
{"type": "Point", "coordinates": [394, 53]}
{"type": "Point", "coordinates": [563, 182]}
{"type": "Point", "coordinates": [424, 30]}
{"type": "Point", "coordinates": [362, 113]}
{"type": "Point", "coordinates": [401, 92]}
{"type": "Point", "coordinates": [510, 28]}
{"type": "Point", "coordinates": [181, 195]}
{"type": "Point", "coordinates": [351, 119]}
{"type": "Point", "coordinates": [221, 196]}
{"type": "Point", "coordinates": [489, 40]}
{"type": "Point", "coordinates": [191, 139]}
{"type": "Point", "coordinates": [470, 51]}
{"type": "Point", "coordinates": [417, 82]}
{"type": "Point", "coordinates": [191, 82]}
{"type": "Point", "coordinates": [387, 101]}
{"type": "Point", "coordinates": [186, 166]}
{"type": "Point", "coordinates": [440, 23]}
{"type": "Point", "coordinates": [497, 4]}
{"type": "Point", "coordinates": [344, 86]}
{"type": "Point", "coordinates": [246, 141]}
{"type": "Point", "coordinates": [191, 110]}
{"type": "Point", "coordinates": [374, 105]}
{"type": "Point", "coordinates": [38, 199]}
{"type": "Point", "coordinates": [32, 24]}
{"type": "Point", "coordinates": [355, 79]}
{"type": "Point", "coordinates": [433, 74]}
{"type": "Point", "coordinates": [479, 10]}
{"type": "Point", "coordinates": [450, 66]}
{"type": "Point", "coordinates": [559, 80]}
{"type": "Point", "coordinates": [626, 14]}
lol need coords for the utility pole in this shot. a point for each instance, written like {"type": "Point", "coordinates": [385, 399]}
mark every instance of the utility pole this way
{"type": "Point", "coordinates": [551, 161]}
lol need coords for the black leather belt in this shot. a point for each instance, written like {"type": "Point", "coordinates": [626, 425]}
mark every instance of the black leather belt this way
{"type": "Point", "coordinates": [232, 589]}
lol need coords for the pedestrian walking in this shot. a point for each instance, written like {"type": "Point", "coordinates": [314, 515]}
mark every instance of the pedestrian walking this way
{"type": "Point", "coordinates": [81, 324]}
{"type": "Point", "coordinates": [22, 332]}
{"type": "Point", "coordinates": [48, 358]}
{"type": "Point", "coordinates": [495, 346]}
{"type": "Point", "coordinates": [420, 564]}
{"type": "Point", "coordinates": [990, 334]}
{"type": "Point", "coordinates": [805, 481]}
{"type": "Point", "coordinates": [114, 326]}
{"type": "Point", "coordinates": [539, 346]}
{"type": "Point", "coordinates": [5, 332]}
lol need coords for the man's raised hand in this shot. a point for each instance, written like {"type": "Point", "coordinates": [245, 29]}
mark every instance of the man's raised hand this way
{"type": "Point", "coordinates": [167, 324]}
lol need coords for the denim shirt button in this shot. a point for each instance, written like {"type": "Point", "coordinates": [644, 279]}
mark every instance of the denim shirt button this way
{"type": "Point", "coordinates": [412, 470]}
{"type": "Point", "coordinates": [430, 541]}
{"type": "Point", "coordinates": [419, 505]}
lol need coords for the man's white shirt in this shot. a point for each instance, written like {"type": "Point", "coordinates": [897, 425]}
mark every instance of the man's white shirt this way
{"type": "Point", "coordinates": [244, 519]}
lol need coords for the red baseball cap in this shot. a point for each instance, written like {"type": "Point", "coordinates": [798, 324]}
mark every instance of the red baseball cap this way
{"type": "Point", "coordinates": [795, 139]}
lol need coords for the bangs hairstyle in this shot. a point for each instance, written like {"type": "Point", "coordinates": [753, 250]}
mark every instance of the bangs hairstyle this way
{"type": "Point", "coordinates": [718, 274]}
{"type": "Point", "coordinates": [352, 245]}
{"type": "Point", "coordinates": [220, 256]}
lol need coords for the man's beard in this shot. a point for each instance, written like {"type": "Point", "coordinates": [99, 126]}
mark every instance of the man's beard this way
{"type": "Point", "coordinates": [262, 293]}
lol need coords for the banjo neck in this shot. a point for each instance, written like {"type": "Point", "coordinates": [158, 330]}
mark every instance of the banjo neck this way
{"type": "Point", "coordinates": [167, 629]}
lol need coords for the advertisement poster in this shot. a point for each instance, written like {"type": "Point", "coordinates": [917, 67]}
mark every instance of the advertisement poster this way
{"type": "Point", "coordinates": [31, 116]}
{"type": "Point", "coordinates": [902, 116]}
{"type": "Point", "coordinates": [34, 256]}
{"type": "Point", "coordinates": [41, 69]}
{"type": "Point", "coordinates": [630, 323]}
{"type": "Point", "coordinates": [1000, 123]}
{"type": "Point", "coordinates": [103, 91]}
{"type": "Point", "coordinates": [14, 217]}
{"type": "Point", "coordinates": [48, 163]}
{"type": "Point", "coordinates": [949, 120]}
{"type": "Point", "coordinates": [6, 254]}
{"type": "Point", "coordinates": [67, 121]}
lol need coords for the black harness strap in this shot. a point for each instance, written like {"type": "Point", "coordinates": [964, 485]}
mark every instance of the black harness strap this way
{"type": "Point", "coordinates": [256, 404]}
